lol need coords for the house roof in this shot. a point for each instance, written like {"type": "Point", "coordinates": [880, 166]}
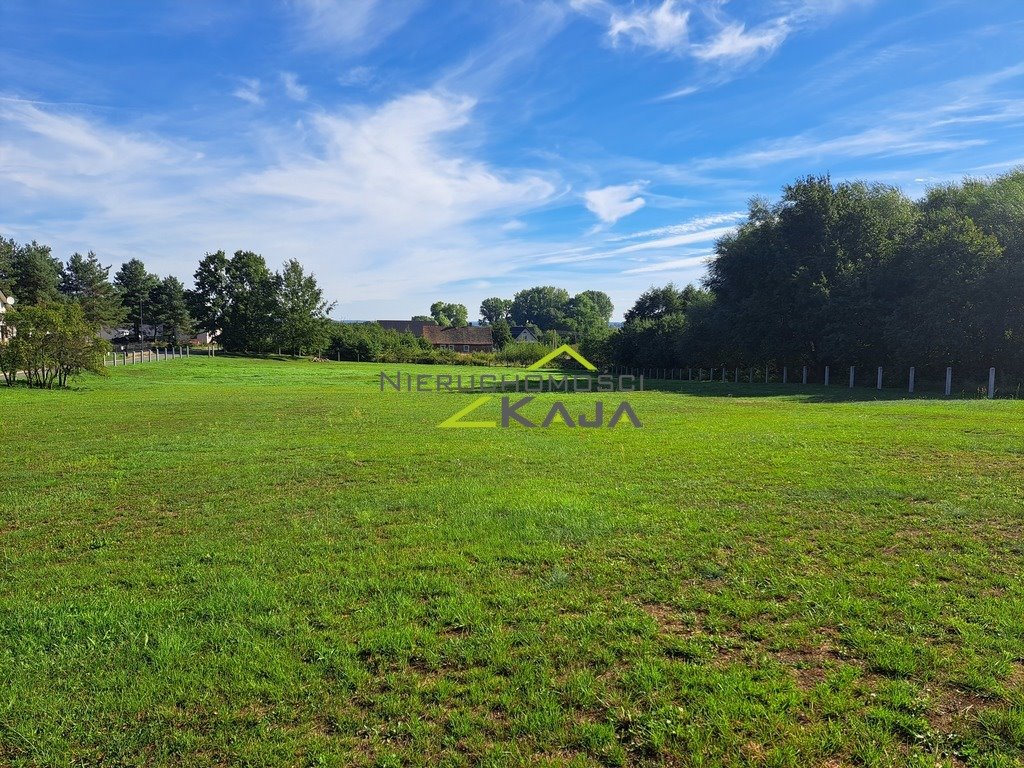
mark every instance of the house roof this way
{"type": "Point", "coordinates": [415, 327]}
{"type": "Point", "coordinates": [469, 334]}
{"type": "Point", "coordinates": [516, 330]}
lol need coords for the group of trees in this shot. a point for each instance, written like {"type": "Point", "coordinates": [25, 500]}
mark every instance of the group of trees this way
{"type": "Point", "coordinates": [851, 273]}
{"type": "Point", "coordinates": [551, 312]}
{"type": "Point", "coordinates": [255, 309]}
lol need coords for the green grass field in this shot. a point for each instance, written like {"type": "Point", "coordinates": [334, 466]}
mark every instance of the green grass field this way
{"type": "Point", "coordinates": [236, 562]}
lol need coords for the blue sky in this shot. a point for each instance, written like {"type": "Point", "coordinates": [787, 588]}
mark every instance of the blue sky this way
{"type": "Point", "coordinates": [411, 151]}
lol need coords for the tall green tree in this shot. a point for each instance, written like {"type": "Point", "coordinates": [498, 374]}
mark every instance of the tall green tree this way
{"type": "Point", "coordinates": [542, 305]}
{"type": "Point", "coordinates": [302, 312]}
{"type": "Point", "coordinates": [209, 301]}
{"type": "Point", "coordinates": [85, 280]}
{"type": "Point", "coordinates": [170, 309]}
{"type": "Point", "coordinates": [7, 247]}
{"type": "Point", "coordinates": [135, 283]}
{"type": "Point", "coordinates": [447, 314]}
{"type": "Point", "coordinates": [501, 333]}
{"type": "Point", "coordinates": [250, 323]}
{"type": "Point", "coordinates": [494, 309]}
{"type": "Point", "coordinates": [35, 274]}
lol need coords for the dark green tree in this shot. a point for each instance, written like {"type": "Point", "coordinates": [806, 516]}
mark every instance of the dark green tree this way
{"type": "Point", "coordinates": [208, 303]}
{"type": "Point", "coordinates": [501, 334]}
{"type": "Point", "coordinates": [170, 309]}
{"type": "Point", "coordinates": [303, 311]}
{"type": "Point", "coordinates": [34, 273]}
{"type": "Point", "coordinates": [85, 280]}
{"type": "Point", "coordinates": [250, 323]}
{"type": "Point", "coordinates": [447, 315]}
{"type": "Point", "coordinates": [494, 309]}
{"type": "Point", "coordinates": [135, 283]}
{"type": "Point", "coordinates": [542, 305]}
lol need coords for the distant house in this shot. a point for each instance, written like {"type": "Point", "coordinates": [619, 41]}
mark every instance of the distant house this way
{"type": "Point", "coordinates": [205, 338]}
{"type": "Point", "coordinates": [523, 334]}
{"type": "Point", "coordinates": [5, 302]}
{"type": "Point", "coordinates": [466, 339]}
{"type": "Point", "coordinates": [415, 327]}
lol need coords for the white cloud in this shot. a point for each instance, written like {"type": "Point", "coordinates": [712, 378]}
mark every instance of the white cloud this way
{"type": "Point", "coordinates": [671, 265]}
{"type": "Point", "coordinates": [293, 88]}
{"type": "Point", "coordinates": [381, 203]}
{"type": "Point", "coordinates": [357, 76]}
{"type": "Point", "coordinates": [612, 203]}
{"type": "Point", "coordinates": [354, 26]}
{"type": "Point", "coordinates": [663, 27]}
{"type": "Point", "coordinates": [699, 224]}
{"type": "Point", "coordinates": [735, 43]}
{"type": "Point", "coordinates": [249, 91]}
{"type": "Point", "coordinates": [513, 225]}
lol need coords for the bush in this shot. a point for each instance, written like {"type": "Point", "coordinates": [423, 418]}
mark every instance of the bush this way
{"type": "Point", "coordinates": [52, 343]}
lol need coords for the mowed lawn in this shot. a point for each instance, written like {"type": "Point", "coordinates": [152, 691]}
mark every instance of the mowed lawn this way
{"type": "Point", "coordinates": [236, 562]}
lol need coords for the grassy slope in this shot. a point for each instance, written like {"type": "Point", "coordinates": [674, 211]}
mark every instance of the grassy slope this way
{"type": "Point", "coordinates": [213, 562]}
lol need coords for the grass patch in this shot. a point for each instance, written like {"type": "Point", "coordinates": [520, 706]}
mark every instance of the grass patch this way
{"type": "Point", "coordinates": [225, 561]}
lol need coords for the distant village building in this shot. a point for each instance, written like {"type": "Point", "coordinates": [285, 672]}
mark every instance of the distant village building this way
{"type": "Point", "coordinates": [205, 338]}
{"type": "Point", "coordinates": [523, 335]}
{"type": "Point", "coordinates": [5, 302]}
{"type": "Point", "coordinates": [466, 339]}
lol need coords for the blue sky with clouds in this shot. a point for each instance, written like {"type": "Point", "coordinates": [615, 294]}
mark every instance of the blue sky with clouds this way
{"type": "Point", "coordinates": [410, 151]}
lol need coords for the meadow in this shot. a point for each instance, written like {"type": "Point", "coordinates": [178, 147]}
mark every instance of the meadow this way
{"type": "Point", "coordinates": [213, 562]}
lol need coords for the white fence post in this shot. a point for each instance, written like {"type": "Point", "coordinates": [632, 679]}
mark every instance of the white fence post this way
{"type": "Point", "coordinates": [751, 375]}
{"type": "Point", "coordinates": [737, 376]}
{"type": "Point", "coordinates": [785, 374]}
{"type": "Point", "coordinates": [766, 373]}
{"type": "Point", "coordinates": [879, 377]}
{"type": "Point", "coordinates": [827, 372]}
{"type": "Point", "coordinates": [852, 375]}
{"type": "Point", "coordinates": [723, 374]}
{"type": "Point", "coordinates": [949, 381]}
{"type": "Point", "coordinates": [805, 374]}
{"type": "Point", "coordinates": [991, 383]}
{"type": "Point", "coordinates": [912, 372]}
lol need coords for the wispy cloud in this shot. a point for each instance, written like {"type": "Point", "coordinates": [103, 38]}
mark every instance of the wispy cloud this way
{"type": "Point", "coordinates": [939, 120]}
{"type": "Point", "coordinates": [671, 265]}
{"type": "Point", "coordinates": [249, 91]}
{"type": "Point", "coordinates": [707, 33]}
{"type": "Point", "coordinates": [612, 203]}
{"type": "Point", "coordinates": [699, 224]}
{"type": "Point", "coordinates": [663, 27]}
{"type": "Point", "coordinates": [668, 239]}
{"type": "Point", "coordinates": [357, 76]}
{"type": "Point", "coordinates": [381, 202]}
{"type": "Point", "coordinates": [354, 26]}
{"type": "Point", "coordinates": [293, 88]}
{"type": "Point", "coordinates": [736, 44]}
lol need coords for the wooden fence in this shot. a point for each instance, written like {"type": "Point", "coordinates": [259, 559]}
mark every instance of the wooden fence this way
{"type": "Point", "coordinates": [735, 375]}
{"type": "Point", "coordinates": [116, 358]}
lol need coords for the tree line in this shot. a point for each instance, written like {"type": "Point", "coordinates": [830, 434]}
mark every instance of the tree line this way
{"type": "Point", "coordinates": [850, 273]}
{"type": "Point", "coordinates": [63, 305]}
